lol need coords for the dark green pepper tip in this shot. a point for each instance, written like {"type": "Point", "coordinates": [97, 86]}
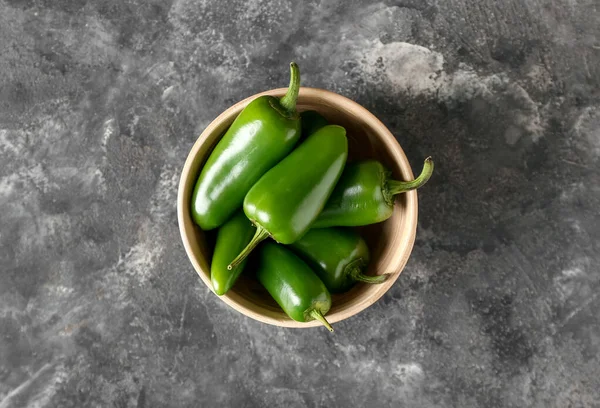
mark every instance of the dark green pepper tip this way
{"type": "Point", "coordinates": [317, 315]}
{"type": "Point", "coordinates": [221, 288]}
{"type": "Point", "coordinates": [397, 187]}
{"type": "Point", "coordinates": [288, 101]}
{"type": "Point", "coordinates": [260, 235]}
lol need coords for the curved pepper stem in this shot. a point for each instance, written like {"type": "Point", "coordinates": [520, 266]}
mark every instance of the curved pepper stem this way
{"type": "Point", "coordinates": [260, 235]}
{"type": "Point", "coordinates": [397, 187]}
{"type": "Point", "coordinates": [288, 101]}
{"type": "Point", "coordinates": [371, 279]}
{"type": "Point", "coordinates": [317, 315]}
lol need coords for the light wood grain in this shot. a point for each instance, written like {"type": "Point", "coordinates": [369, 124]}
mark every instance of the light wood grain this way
{"type": "Point", "coordinates": [390, 242]}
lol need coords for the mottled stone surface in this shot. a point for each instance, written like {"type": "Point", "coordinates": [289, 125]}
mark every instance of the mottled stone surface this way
{"type": "Point", "coordinates": [101, 102]}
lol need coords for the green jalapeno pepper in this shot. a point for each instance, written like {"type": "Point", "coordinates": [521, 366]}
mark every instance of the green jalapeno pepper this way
{"type": "Point", "coordinates": [365, 195]}
{"type": "Point", "coordinates": [262, 134]}
{"type": "Point", "coordinates": [288, 198]}
{"type": "Point", "coordinates": [338, 256]}
{"type": "Point", "coordinates": [232, 237]}
{"type": "Point", "coordinates": [311, 122]}
{"type": "Point", "coordinates": [293, 285]}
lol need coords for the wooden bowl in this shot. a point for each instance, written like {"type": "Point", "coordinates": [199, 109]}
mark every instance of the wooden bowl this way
{"type": "Point", "coordinates": [390, 242]}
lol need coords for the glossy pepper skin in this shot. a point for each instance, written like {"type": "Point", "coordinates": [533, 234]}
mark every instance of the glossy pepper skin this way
{"type": "Point", "coordinates": [293, 285]}
{"type": "Point", "coordinates": [365, 195]}
{"type": "Point", "coordinates": [288, 198]}
{"type": "Point", "coordinates": [311, 122]}
{"type": "Point", "coordinates": [339, 256]}
{"type": "Point", "coordinates": [262, 134]}
{"type": "Point", "coordinates": [232, 237]}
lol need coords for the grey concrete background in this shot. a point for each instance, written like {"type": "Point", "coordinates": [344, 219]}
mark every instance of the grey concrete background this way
{"type": "Point", "coordinates": [101, 102]}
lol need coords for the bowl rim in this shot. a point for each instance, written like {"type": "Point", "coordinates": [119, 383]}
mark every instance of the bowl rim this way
{"type": "Point", "coordinates": [399, 259]}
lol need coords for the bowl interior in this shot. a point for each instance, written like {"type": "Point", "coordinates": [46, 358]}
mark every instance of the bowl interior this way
{"type": "Point", "coordinates": [390, 242]}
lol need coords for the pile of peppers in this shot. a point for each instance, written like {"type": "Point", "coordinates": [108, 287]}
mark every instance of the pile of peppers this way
{"type": "Point", "coordinates": [281, 176]}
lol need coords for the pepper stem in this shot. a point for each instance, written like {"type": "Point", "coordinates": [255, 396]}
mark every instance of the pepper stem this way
{"type": "Point", "coordinates": [316, 314]}
{"type": "Point", "coordinates": [397, 187]}
{"type": "Point", "coordinates": [359, 276]}
{"type": "Point", "coordinates": [288, 101]}
{"type": "Point", "coordinates": [260, 235]}
{"type": "Point", "coordinates": [355, 273]}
